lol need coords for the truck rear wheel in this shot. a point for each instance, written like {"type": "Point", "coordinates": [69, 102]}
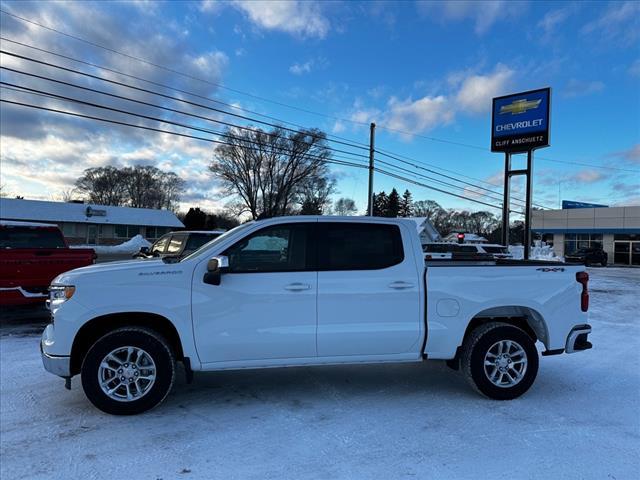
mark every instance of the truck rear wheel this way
{"type": "Point", "coordinates": [500, 360]}
{"type": "Point", "coordinates": [128, 371]}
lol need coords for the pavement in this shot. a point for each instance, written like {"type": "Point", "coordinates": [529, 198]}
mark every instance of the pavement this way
{"type": "Point", "coordinates": [580, 420]}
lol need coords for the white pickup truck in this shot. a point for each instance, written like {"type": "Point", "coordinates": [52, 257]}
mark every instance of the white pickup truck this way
{"type": "Point", "coordinates": [294, 291]}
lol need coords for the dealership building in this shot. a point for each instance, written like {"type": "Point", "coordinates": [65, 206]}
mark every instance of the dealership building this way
{"type": "Point", "coordinates": [578, 225]}
{"type": "Point", "coordinates": [88, 224]}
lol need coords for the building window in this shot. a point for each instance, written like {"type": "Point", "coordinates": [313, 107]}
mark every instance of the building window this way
{"type": "Point", "coordinates": [127, 231]}
{"type": "Point", "coordinates": [575, 241]}
{"type": "Point", "coordinates": [155, 232]}
{"type": "Point", "coordinates": [69, 229]}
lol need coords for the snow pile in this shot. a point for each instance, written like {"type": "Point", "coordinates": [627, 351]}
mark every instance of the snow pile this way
{"type": "Point", "coordinates": [538, 252]}
{"type": "Point", "coordinates": [130, 246]}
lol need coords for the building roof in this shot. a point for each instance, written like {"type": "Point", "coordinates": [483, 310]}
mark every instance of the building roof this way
{"type": "Point", "coordinates": [43, 211]}
{"type": "Point", "coordinates": [425, 228]}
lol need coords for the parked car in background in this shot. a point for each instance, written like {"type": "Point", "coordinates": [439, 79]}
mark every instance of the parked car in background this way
{"type": "Point", "coordinates": [588, 256]}
{"type": "Point", "coordinates": [449, 250]}
{"type": "Point", "coordinates": [178, 244]}
{"type": "Point", "coordinates": [31, 256]}
{"type": "Point", "coordinates": [309, 290]}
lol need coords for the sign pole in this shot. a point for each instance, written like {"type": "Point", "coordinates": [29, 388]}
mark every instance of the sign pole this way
{"type": "Point", "coordinates": [527, 212]}
{"type": "Point", "coordinates": [372, 133]}
{"type": "Point", "coordinates": [505, 202]}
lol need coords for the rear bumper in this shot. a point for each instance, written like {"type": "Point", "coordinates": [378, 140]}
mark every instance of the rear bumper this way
{"type": "Point", "coordinates": [577, 340]}
{"type": "Point", "coordinates": [60, 366]}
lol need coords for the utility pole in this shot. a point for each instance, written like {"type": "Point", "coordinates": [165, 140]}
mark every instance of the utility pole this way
{"type": "Point", "coordinates": [527, 212]}
{"type": "Point", "coordinates": [372, 133]}
{"type": "Point", "coordinates": [507, 194]}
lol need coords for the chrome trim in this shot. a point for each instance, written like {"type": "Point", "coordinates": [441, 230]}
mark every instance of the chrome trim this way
{"type": "Point", "coordinates": [60, 366]}
{"type": "Point", "coordinates": [25, 293]}
{"type": "Point", "coordinates": [573, 335]}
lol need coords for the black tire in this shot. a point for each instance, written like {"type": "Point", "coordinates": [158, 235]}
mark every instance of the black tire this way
{"type": "Point", "coordinates": [475, 348]}
{"type": "Point", "coordinates": [149, 341]}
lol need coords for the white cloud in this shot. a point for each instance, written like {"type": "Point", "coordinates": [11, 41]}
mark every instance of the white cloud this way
{"type": "Point", "coordinates": [578, 88]}
{"type": "Point", "coordinates": [484, 14]}
{"type": "Point", "coordinates": [634, 69]}
{"type": "Point", "coordinates": [588, 176]}
{"type": "Point", "coordinates": [631, 155]}
{"type": "Point", "coordinates": [302, 68]}
{"type": "Point", "coordinates": [301, 18]}
{"type": "Point", "coordinates": [418, 115]}
{"type": "Point", "coordinates": [476, 91]}
{"type": "Point", "coordinates": [620, 23]}
{"type": "Point", "coordinates": [549, 24]}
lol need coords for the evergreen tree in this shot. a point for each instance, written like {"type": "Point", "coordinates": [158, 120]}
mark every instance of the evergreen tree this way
{"type": "Point", "coordinates": [406, 205]}
{"type": "Point", "coordinates": [195, 219]}
{"type": "Point", "coordinates": [393, 204]}
{"type": "Point", "coordinates": [380, 204]}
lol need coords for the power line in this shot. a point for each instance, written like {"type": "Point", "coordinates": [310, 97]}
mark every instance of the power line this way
{"type": "Point", "coordinates": [351, 142]}
{"type": "Point", "coordinates": [333, 117]}
{"type": "Point", "coordinates": [452, 178]}
{"type": "Point", "coordinates": [102, 92]}
{"type": "Point", "coordinates": [152, 92]}
{"type": "Point", "coordinates": [160, 120]}
{"type": "Point", "coordinates": [195, 116]}
{"type": "Point", "coordinates": [195, 137]}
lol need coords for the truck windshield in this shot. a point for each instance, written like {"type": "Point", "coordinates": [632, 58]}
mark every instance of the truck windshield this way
{"type": "Point", "coordinates": [217, 240]}
{"type": "Point", "coordinates": [26, 237]}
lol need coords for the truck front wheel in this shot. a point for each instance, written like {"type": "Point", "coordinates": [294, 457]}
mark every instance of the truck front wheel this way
{"type": "Point", "coordinates": [128, 371]}
{"type": "Point", "coordinates": [500, 360]}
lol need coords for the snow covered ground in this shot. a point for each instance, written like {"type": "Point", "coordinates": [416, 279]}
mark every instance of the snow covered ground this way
{"type": "Point", "coordinates": [133, 245]}
{"type": "Point", "coordinates": [580, 420]}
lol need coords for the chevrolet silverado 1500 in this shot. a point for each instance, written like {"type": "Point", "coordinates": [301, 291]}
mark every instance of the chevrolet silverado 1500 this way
{"type": "Point", "coordinates": [294, 291]}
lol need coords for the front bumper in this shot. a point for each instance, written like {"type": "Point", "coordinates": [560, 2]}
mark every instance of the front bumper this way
{"type": "Point", "coordinates": [60, 366]}
{"type": "Point", "coordinates": [577, 340]}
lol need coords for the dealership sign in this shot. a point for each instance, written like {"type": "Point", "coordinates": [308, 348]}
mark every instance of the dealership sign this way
{"type": "Point", "coordinates": [520, 122]}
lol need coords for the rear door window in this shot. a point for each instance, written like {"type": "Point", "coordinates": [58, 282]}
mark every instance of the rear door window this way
{"type": "Point", "coordinates": [25, 237]}
{"type": "Point", "coordinates": [359, 246]}
{"type": "Point", "coordinates": [196, 240]}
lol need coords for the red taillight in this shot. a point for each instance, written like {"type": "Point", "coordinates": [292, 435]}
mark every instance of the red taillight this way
{"type": "Point", "coordinates": [427, 257]}
{"type": "Point", "coordinates": [583, 279]}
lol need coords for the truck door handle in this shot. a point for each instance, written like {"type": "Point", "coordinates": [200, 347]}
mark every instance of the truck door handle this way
{"type": "Point", "coordinates": [400, 285]}
{"type": "Point", "coordinates": [297, 287]}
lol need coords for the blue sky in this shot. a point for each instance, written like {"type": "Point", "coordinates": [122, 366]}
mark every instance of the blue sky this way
{"type": "Point", "coordinates": [420, 70]}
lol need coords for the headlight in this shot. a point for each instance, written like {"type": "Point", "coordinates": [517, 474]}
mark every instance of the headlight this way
{"type": "Point", "coordinates": [58, 294]}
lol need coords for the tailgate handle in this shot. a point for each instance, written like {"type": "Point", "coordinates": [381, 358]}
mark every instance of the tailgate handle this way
{"type": "Point", "coordinates": [297, 287]}
{"type": "Point", "coordinates": [400, 285]}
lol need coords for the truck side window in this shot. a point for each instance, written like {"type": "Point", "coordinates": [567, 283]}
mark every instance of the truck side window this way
{"type": "Point", "coordinates": [160, 245]}
{"type": "Point", "coordinates": [175, 244]}
{"type": "Point", "coordinates": [280, 248]}
{"type": "Point", "coordinates": [359, 246]}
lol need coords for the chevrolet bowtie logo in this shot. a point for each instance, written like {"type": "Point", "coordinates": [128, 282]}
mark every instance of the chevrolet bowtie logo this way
{"type": "Point", "coordinates": [520, 106]}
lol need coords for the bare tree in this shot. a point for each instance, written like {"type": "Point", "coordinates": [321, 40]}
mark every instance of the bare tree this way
{"type": "Point", "coordinates": [139, 186]}
{"type": "Point", "coordinates": [313, 197]}
{"type": "Point", "coordinates": [267, 171]}
{"type": "Point", "coordinates": [345, 206]}
{"type": "Point", "coordinates": [103, 185]}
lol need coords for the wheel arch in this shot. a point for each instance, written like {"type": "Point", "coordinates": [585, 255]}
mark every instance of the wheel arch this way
{"type": "Point", "coordinates": [524, 317]}
{"type": "Point", "coordinates": [101, 325]}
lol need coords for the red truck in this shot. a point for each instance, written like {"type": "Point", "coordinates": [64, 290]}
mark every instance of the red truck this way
{"type": "Point", "coordinates": [31, 255]}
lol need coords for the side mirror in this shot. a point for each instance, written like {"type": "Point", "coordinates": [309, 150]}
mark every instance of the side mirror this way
{"type": "Point", "coordinates": [215, 268]}
{"type": "Point", "coordinates": [144, 250]}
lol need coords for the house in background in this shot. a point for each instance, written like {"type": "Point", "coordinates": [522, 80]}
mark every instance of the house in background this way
{"type": "Point", "coordinates": [426, 231]}
{"type": "Point", "coordinates": [90, 224]}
